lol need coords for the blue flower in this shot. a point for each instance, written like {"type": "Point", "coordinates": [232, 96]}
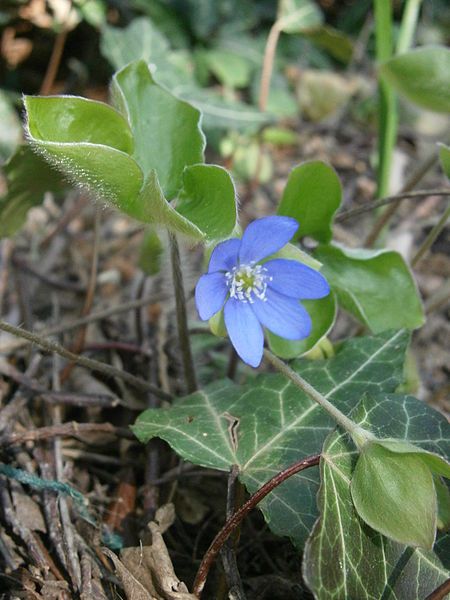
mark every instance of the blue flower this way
{"type": "Point", "coordinates": [256, 294]}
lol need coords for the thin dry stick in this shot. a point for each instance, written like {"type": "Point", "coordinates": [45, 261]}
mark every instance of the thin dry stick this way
{"type": "Point", "coordinates": [54, 62]}
{"type": "Point", "coordinates": [354, 212]}
{"type": "Point", "coordinates": [389, 212]}
{"type": "Point", "coordinates": [92, 318]}
{"type": "Point", "coordinates": [72, 429]}
{"type": "Point", "coordinates": [78, 345]}
{"type": "Point", "coordinates": [83, 361]}
{"type": "Point", "coordinates": [241, 513]}
{"type": "Point", "coordinates": [180, 301]}
{"type": "Point", "coordinates": [269, 57]}
{"type": "Point", "coordinates": [431, 237]}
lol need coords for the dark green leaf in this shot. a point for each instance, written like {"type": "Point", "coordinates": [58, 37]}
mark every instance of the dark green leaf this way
{"type": "Point", "coordinates": [140, 40]}
{"type": "Point", "coordinates": [312, 195]}
{"type": "Point", "coordinates": [276, 424]}
{"type": "Point", "coordinates": [376, 286]}
{"type": "Point", "coordinates": [422, 75]}
{"type": "Point", "coordinates": [28, 177]}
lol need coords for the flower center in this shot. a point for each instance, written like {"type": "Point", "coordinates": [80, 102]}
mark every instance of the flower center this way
{"type": "Point", "coordinates": [246, 282]}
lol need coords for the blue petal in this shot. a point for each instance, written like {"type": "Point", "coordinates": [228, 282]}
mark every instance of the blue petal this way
{"type": "Point", "coordinates": [245, 332]}
{"type": "Point", "coordinates": [296, 280]}
{"type": "Point", "coordinates": [283, 316]}
{"type": "Point", "coordinates": [224, 256]}
{"type": "Point", "coordinates": [265, 236]}
{"type": "Point", "coordinates": [210, 294]}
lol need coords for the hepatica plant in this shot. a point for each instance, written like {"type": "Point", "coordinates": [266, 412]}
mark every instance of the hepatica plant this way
{"type": "Point", "coordinates": [378, 498]}
{"type": "Point", "coordinates": [256, 292]}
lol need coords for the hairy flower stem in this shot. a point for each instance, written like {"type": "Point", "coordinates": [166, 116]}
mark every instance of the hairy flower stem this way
{"type": "Point", "coordinates": [242, 512]}
{"type": "Point", "coordinates": [180, 301]}
{"type": "Point", "coordinates": [358, 434]}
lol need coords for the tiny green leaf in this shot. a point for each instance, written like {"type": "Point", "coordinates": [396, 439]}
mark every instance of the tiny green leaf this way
{"type": "Point", "coordinates": [323, 315]}
{"type": "Point", "coordinates": [312, 195]}
{"type": "Point", "coordinates": [208, 199]}
{"type": "Point", "coordinates": [394, 494]}
{"type": "Point", "coordinates": [28, 177]}
{"type": "Point", "coordinates": [150, 253]}
{"type": "Point", "coordinates": [295, 16]}
{"type": "Point", "coordinates": [422, 75]}
{"type": "Point", "coordinates": [376, 286]}
{"type": "Point", "coordinates": [166, 130]}
{"type": "Point", "coordinates": [434, 462]}
{"type": "Point", "coordinates": [444, 157]}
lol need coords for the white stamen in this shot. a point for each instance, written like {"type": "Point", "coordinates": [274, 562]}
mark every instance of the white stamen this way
{"type": "Point", "coordinates": [246, 282]}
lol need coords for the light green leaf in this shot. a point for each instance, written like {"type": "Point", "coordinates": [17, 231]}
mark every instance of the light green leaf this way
{"type": "Point", "coordinates": [295, 16]}
{"type": "Point", "coordinates": [28, 177]}
{"type": "Point", "coordinates": [71, 120]}
{"type": "Point", "coordinates": [208, 199]}
{"type": "Point", "coordinates": [166, 130]}
{"type": "Point", "coordinates": [230, 68]}
{"type": "Point", "coordinates": [140, 40]}
{"type": "Point", "coordinates": [276, 424]}
{"type": "Point", "coordinates": [89, 146]}
{"type": "Point", "coordinates": [376, 286]}
{"type": "Point", "coordinates": [444, 157]}
{"type": "Point", "coordinates": [323, 315]}
{"type": "Point", "coordinates": [312, 195]}
{"type": "Point", "coordinates": [433, 461]}
{"type": "Point", "coordinates": [422, 75]}
{"type": "Point", "coordinates": [382, 494]}
{"type": "Point", "coordinates": [344, 558]}
{"type": "Point", "coordinates": [443, 499]}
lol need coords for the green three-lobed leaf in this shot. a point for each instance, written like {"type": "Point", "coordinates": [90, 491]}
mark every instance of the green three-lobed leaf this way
{"type": "Point", "coordinates": [139, 157]}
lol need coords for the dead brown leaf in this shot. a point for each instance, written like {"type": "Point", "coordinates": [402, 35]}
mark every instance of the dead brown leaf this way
{"type": "Point", "coordinates": [147, 572]}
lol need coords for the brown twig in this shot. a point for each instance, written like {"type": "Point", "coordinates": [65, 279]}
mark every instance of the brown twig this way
{"type": "Point", "coordinates": [183, 331]}
{"type": "Point", "coordinates": [78, 345]}
{"type": "Point", "coordinates": [386, 216]}
{"type": "Point", "coordinates": [268, 60]}
{"type": "Point", "coordinates": [83, 361]}
{"type": "Point", "coordinates": [54, 62]}
{"type": "Point", "coordinates": [431, 237]}
{"type": "Point", "coordinates": [440, 592]}
{"type": "Point", "coordinates": [228, 551]}
{"type": "Point", "coordinates": [92, 318]}
{"type": "Point", "coordinates": [241, 513]}
{"type": "Point", "coordinates": [354, 212]}
{"type": "Point", "coordinates": [71, 429]}
{"type": "Point", "coordinates": [56, 397]}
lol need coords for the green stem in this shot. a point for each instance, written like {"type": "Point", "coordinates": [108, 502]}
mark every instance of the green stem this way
{"type": "Point", "coordinates": [431, 237]}
{"type": "Point", "coordinates": [387, 99]}
{"type": "Point", "coordinates": [408, 26]}
{"type": "Point", "coordinates": [359, 435]}
{"type": "Point", "coordinates": [183, 331]}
